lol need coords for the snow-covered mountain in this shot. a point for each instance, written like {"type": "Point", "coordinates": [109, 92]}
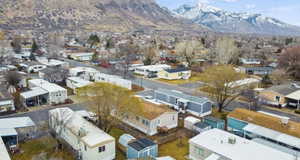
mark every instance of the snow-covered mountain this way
{"type": "Point", "coordinates": [224, 21]}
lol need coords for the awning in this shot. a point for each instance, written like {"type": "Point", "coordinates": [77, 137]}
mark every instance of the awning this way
{"type": "Point", "coordinates": [8, 132]}
{"type": "Point", "coordinates": [34, 92]}
{"type": "Point", "coordinates": [274, 135]}
{"type": "Point", "coordinates": [295, 95]}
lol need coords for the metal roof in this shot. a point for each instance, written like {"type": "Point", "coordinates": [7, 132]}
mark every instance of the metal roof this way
{"type": "Point", "coordinates": [141, 144]}
{"type": "Point", "coordinates": [274, 135]}
{"type": "Point", "coordinates": [178, 94]}
{"type": "Point", "coordinates": [294, 95]}
{"type": "Point", "coordinates": [8, 132]}
{"type": "Point", "coordinates": [34, 92]}
{"type": "Point", "coordinates": [216, 140]}
{"type": "Point", "coordinates": [176, 70]}
{"type": "Point", "coordinates": [17, 122]}
{"type": "Point", "coordinates": [276, 146]}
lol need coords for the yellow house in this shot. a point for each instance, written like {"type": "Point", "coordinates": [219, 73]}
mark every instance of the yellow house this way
{"type": "Point", "coordinates": [174, 74]}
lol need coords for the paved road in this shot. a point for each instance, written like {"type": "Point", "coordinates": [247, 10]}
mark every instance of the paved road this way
{"type": "Point", "coordinates": [41, 115]}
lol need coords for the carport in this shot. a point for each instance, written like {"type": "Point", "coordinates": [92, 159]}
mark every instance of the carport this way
{"type": "Point", "coordinates": [293, 99]}
{"type": "Point", "coordinates": [36, 96]}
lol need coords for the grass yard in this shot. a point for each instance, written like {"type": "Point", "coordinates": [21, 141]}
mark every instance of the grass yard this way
{"type": "Point", "coordinates": [174, 150]}
{"type": "Point", "coordinates": [116, 133]}
{"type": "Point", "coordinates": [217, 114]}
{"type": "Point", "coordinates": [45, 145]}
{"type": "Point", "coordinates": [194, 78]}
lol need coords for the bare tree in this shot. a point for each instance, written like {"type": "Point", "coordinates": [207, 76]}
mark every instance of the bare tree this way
{"type": "Point", "coordinates": [221, 84]}
{"type": "Point", "coordinates": [16, 44]}
{"type": "Point", "coordinates": [111, 103]}
{"type": "Point", "coordinates": [13, 78]}
{"type": "Point", "coordinates": [290, 61]}
{"type": "Point", "coordinates": [226, 50]}
{"type": "Point", "coordinates": [55, 44]}
{"type": "Point", "coordinates": [151, 54]}
{"type": "Point", "coordinates": [128, 53]}
{"type": "Point", "coordinates": [188, 50]}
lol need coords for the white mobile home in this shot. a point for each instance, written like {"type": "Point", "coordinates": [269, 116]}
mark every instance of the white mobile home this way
{"type": "Point", "coordinates": [87, 140]}
{"type": "Point", "coordinates": [57, 94]}
{"type": "Point", "coordinates": [85, 73]}
{"type": "Point", "coordinates": [76, 82]}
{"type": "Point", "coordinates": [217, 144]}
{"type": "Point", "coordinates": [151, 118]}
{"type": "Point", "coordinates": [145, 70]}
{"type": "Point", "coordinates": [116, 80]}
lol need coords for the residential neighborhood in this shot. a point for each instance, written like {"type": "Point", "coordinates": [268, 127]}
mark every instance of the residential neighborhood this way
{"type": "Point", "coordinates": [147, 83]}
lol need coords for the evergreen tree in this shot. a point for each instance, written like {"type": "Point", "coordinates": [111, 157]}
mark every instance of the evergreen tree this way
{"type": "Point", "coordinates": [34, 47]}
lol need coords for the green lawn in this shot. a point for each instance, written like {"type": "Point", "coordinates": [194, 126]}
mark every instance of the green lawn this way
{"type": "Point", "coordinates": [116, 133]}
{"type": "Point", "coordinates": [45, 145]}
{"type": "Point", "coordinates": [174, 150]}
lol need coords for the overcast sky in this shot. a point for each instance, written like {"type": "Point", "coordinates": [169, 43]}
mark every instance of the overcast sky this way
{"type": "Point", "coordinates": [284, 10]}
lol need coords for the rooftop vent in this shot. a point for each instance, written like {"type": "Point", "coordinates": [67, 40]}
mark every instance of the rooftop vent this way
{"type": "Point", "coordinates": [231, 140]}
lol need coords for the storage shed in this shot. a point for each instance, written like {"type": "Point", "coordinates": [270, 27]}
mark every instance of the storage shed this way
{"type": "Point", "coordinates": [190, 121]}
{"type": "Point", "coordinates": [142, 148]}
{"type": "Point", "coordinates": [125, 139]}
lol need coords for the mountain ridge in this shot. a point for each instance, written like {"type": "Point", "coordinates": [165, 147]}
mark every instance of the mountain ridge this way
{"type": "Point", "coordinates": [233, 22]}
{"type": "Point", "coordinates": [106, 15]}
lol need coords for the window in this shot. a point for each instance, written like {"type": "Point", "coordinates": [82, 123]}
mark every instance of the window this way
{"type": "Point", "coordinates": [85, 147]}
{"type": "Point", "coordinates": [158, 121]}
{"type": "Point", "coordinates": [145, 122]}
{"type": "Point", "coordinates": [137, 118]}
{"type": "Point", "coordinates": [173, 118]}
{"type": "Point", "coordinates": [277, 98]}
{"type": "Point", "coordinates": [101, 149]}
{"type": "Point", "coordinates": [199, 151]}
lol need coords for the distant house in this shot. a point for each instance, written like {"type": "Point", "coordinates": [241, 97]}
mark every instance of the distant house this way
{"type": "Point", "coordinates": [280, 95]}
{"type": "Point", "coordinates": [142, 149]}
{"type": "Point", "coordinates": [151, 118]}
{"type": "Point", "coordinates": [81, 56]}
{"type": "Point", "coordinates": [268, 129]}
{"type": "Point", "coordinates": [217, 144]}
{"type": "Point", "coordinates": [43, 92]}
{"type": "Point", "coordinates": [54, 74]}
{"type": "Point", "coordinates": [151, 69]}
{"type": "Point", "coordinates": [6, 100]}
{"type": "Point", "coordinates": [112, 79]}
{"type": "Point", "coordinates": [174, 74]}
{"type": "Point", "coordinates": [77, 82]}
{"type": "Point", "coordinates": [32, 66]}
{"type": "Point", "coordinates": [197, 106]}
{"type": "Point", "coordinates": [250, 61]}
{"type": "Point", "coordinates": [257, 70]}
{"type": "Point", "coordinates": [53, 62]}
{"type": "Point", "coordinates": [85, 73]}
{"type": "Point", "coordinates": [89, 142]}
